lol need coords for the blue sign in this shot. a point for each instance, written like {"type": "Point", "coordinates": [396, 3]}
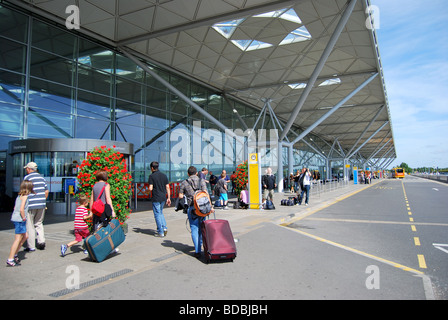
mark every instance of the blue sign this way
{"type": "Point", "coordinates": [69, 185]}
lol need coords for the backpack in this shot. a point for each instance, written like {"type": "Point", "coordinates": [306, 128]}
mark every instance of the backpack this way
{"type": "Point", "coordinates": [201, 201]}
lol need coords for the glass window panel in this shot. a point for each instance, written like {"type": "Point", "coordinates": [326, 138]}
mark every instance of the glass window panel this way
{"type": "Point", "coordinates": [53, 39]}
{"type": "Point", "coordinates": [51, 67]}
{"type": "Point", "coordinates": [14, 25]}
{"type": "Point", "coordinates": [10, 119]}
{"type": "Point", "coordinates": [43, 161]}
{"type": "Point", "coordinates": [94, 80]}
{"type": "Point", "coordinates": [156, 98]}
{"type": "Point", "coordinates": [93, 105]}
{"type": "Point", "coordinates": [131, 134]}
{"type": "Point", "coordinates": [153, 82]}
{"type": "Point", "coordinates": [45, 124]}
{"type": "Point", "coordinates": [65, 163]}
{"type": "Point", "coordinates": [86, 49]}
{"type": "Point", "coordinates": [157, 119]}
{"type": "Point", "coordinates": [92, 129]}
{"type": "Point", "coordinates": [13, 55]}
{"type": "Point", "coordinates": [128, 113]}
{"type": "Point", "coordinates": [12, 87]}
{"type": "Point", "coordinates": [4, 142]}
{"type": "Point", "coordinates": [128, 69]}
{"type": "Point", "coordinates": [50, 96]}
{"type": "Point", "coordinates": [128, 90]}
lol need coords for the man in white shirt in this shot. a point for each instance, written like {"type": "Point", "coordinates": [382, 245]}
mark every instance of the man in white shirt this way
{"type": "Point", "coordinates": [305, 185]}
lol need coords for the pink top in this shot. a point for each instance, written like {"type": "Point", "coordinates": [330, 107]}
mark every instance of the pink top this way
{"type": "Point", "coordinates": [245, 196]}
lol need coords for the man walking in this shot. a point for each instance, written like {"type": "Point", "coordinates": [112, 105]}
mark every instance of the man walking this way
{"type": "Point", "coordinates": [160, 187]}
{"type": "Point", "coordinates": [36, 208]}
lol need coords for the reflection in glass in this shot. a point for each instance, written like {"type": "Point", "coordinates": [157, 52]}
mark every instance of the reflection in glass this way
{"type": "Point", "coordinates": [46, 124]}
{"type": "Point", "coordinates": [50, 96]}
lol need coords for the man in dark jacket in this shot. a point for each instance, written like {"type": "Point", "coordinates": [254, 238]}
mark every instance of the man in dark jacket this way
{"type": "Point", "coordinates": [268, 182]}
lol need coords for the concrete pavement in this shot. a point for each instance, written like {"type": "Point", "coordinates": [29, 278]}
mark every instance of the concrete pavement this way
{"type": "Point", "coordinates": [47, 275]}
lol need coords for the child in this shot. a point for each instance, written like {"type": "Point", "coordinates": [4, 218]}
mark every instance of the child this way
{"type": "Point", "coordinates": [19, 217]}
{"type": "Point", "coordinates": [81, 227]}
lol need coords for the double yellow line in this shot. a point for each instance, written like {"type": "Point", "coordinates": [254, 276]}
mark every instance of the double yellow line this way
{"type": "Point", "coordinates": [420, 257]}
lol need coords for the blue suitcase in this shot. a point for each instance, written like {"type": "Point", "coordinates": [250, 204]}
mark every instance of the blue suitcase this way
{"type": "Point", "coordinates": [104, 240]}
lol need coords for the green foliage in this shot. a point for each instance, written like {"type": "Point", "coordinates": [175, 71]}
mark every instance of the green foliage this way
{"type": "Point", "coordinates": [119, 178]}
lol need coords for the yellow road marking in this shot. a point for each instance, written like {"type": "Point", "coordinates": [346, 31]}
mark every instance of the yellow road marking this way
{"type": "Point", "coordinates": [421, 261]}
{"type": "Point", "coordinates": [416, 241]}
{"type": "Point", "coordinates": [413, 228]}
{"type": "Point", "coordinates": [391, 263]}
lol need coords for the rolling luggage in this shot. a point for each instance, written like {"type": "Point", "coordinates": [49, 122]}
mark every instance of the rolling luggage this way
{"type": "Point", "coordinates": [104, 240]}
{"type": "Point", "coordinates": [217, 239]}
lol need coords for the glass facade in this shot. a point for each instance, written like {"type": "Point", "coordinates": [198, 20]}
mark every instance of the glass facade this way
{"type": "Point", "coordinates": [55, 84]}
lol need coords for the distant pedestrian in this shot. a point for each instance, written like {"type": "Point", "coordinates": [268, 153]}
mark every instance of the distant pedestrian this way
{"type": "Point", "coordinates": [213, 181]}
{"type": "Point", "coordinates": [268, 182]}
{"type": "Point", "coordinates": [37, 203]}
{"type": "Point", "coordinates": [305, 185]}
{"type": "Point", "coordinates": [160, 187]}
{"type": "Point", "coordinates": [221, 189]}
{"type": "Point", "coordinates": [81, 227]}
{"type": "Point", "coordinates": [19, 217]}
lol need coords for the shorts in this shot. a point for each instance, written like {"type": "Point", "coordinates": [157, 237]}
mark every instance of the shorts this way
{"type": "Point", "coordinates": [223, 197]}
{"type": "Point", "coordinates": [81, 234]}
{"type": "Point", "coordinates": [20, 227]}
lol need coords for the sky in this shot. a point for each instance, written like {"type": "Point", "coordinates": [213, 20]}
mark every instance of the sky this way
{"type": "Point", "coordinates": [413, 43]}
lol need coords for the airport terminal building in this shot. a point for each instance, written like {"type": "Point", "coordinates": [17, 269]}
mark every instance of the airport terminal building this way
{"type": "Point", "coordinates": [185, 83]}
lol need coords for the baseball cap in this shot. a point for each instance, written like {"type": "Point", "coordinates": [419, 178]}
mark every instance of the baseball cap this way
{"type": "Point", "coordinates": [31, 165]}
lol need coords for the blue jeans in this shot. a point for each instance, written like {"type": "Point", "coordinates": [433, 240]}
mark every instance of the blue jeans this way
{"type": "Point", "coordinates": [306, 188]}
{"type": "Point", "coordinates": [195, 227]}
{"type": "Point", "coordinates": [157, 208]}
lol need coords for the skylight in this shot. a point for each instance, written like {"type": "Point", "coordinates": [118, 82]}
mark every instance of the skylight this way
{"type": "Point", "coordinates": [227, 29]}
{"type": "Point", "coordinates": [249, 45]}
{"type": "Point", "coordinates": [297, 85]}
{"type": "Point", "coordinates": [298, 35]}
{"type": "Point", "coordinates": [330, 82]}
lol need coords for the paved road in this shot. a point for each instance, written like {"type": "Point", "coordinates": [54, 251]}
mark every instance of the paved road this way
{"type": "Point", "coordinates": [352, 243]}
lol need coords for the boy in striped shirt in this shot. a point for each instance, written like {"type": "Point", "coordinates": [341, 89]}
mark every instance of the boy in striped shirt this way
{"type": "Point", "coordinates": [37, 203]}
{"type": "Point", "coordinates": [81, 227]}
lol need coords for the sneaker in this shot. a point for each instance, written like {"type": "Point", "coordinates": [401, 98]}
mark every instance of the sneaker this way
{"type": "Point", "coordinates": [63, 249]}
{"type": "Point", "coordinates": [158, 235]}
{"type": "Point", "coordinates": [306, 204]}
{"type": "Point", "coordinates": [30, 249]}
{"type": "Point", "coordinates": [225, 208]}
{"type": "Point", "coordinates": [165, 232]}
{"type": "Point", "coordinates": [40, 246]}
{"type": "Point", "coordinates": [12, 263]}
{"type": "Point", "coordinates": [16, 259]}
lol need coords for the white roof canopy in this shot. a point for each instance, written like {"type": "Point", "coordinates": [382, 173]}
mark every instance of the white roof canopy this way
{"type": "Point", "coordinates": [257, 51]}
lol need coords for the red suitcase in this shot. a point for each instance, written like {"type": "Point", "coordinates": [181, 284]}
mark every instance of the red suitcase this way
{"type": "Point", "coordinates": [217, 239]}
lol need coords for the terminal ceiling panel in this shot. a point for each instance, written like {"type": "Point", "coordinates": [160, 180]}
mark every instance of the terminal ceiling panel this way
{"type": "Point", "coordinates": [255, 50]}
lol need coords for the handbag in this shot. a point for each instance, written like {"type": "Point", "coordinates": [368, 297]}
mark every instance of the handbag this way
{"type": "Point", "coordinates": [98, 205]}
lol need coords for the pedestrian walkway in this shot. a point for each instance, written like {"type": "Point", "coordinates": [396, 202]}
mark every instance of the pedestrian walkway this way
{"type": "Point", "coordinates": [47, 275]}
